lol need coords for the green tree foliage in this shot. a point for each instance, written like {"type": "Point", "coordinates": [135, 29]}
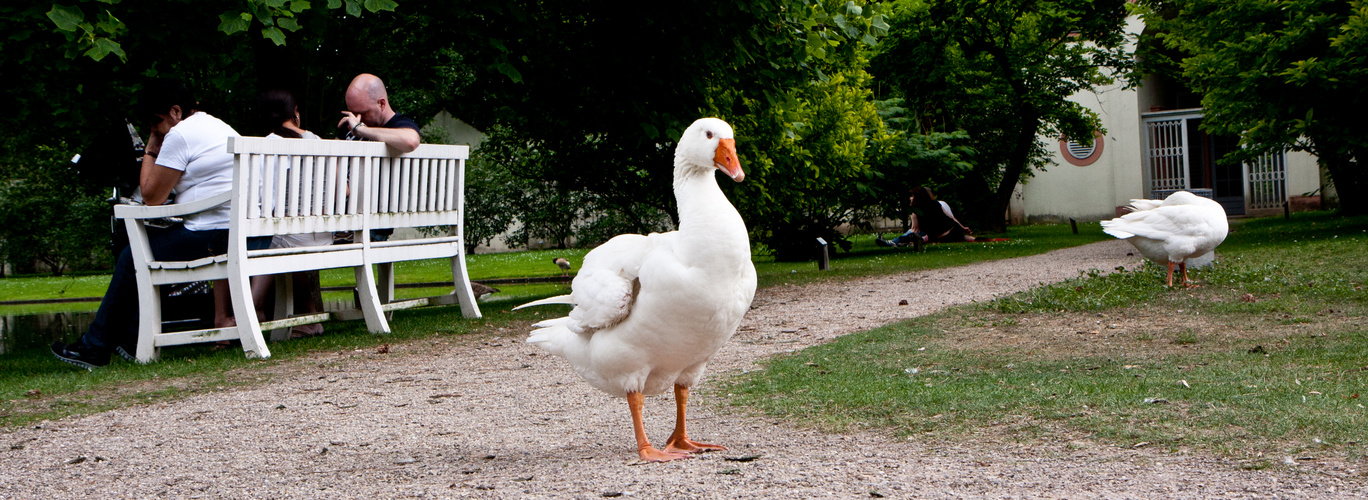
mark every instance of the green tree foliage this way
{"type": "Point", "coordinates": [606, 91]}
{"type": "Point", "coordinates": [45, 218]}
{"type": "Point", "coordinates": [500, 195]}
{"type": "Point", "coordinates": [810, 163]}
{"type": "Point", "coordinates": [1002, 72]}
{"type": "Point", "coordinates": [599, 89]}
{"type": "Point", "coordinates": [1283, 75]}
{"type": "Point", "coordinates": [937, 160]}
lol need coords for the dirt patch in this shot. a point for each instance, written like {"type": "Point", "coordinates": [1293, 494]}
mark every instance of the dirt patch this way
{"type": "Point", "coordinates": [1132, 333]}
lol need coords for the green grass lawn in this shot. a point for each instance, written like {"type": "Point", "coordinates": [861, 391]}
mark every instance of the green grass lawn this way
{"type": "Point", "coordinates": [62, 390]}
{"type": "Point", "coordinates": [1267, 359]}
{"type": "Point", "coordinates": [863, 259]}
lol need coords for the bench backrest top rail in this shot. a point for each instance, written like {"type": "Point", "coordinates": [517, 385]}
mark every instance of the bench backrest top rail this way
{"type": "Point", "coordinates": [332, 147]}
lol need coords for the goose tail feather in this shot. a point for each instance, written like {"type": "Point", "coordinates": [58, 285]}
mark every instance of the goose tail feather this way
{"type": "Point", "coordinates": [559, 299]}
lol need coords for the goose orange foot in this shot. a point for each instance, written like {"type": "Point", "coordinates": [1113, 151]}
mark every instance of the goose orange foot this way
{"type": "Point", "coordinates": [651, 454]}
{"type": "Point", "coordinates": [686, 445]}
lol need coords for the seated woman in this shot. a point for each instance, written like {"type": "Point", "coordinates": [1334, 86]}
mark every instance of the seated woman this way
{"type": "Point", "coordinates": [931, 222]}
{"type": "Point", "coordinates": [186, 154]}
{"type": "Point", "coordinates": [280, 115]}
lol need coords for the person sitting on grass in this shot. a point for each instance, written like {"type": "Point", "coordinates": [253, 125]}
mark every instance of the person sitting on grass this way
{"type": "Point", "coordinates": [931, 222]}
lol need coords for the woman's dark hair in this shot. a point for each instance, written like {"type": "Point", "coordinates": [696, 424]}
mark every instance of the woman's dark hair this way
{"type": "Point", "coordinates": [278, 106]}
{"type": "Point", "coordinates": [159, 95]}
{"type": "Point", "coordinates": [923, 199]}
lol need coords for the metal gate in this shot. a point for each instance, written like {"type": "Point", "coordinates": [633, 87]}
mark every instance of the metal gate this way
{"type": "Point", "coordinates": [1266, 182]}
{"type": "Point", "coordinates": [1166, 152]}
{"type": "Point", "coordinates": [1169, 156]}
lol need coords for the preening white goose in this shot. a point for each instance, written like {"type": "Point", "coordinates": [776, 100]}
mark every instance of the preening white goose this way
{"type": "Point", "coordinates": [1180, 230]}
{"type": "Point", "coordinates": [650, 311]}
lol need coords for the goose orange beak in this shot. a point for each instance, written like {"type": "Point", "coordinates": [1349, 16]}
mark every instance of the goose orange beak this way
{"type": "Point", "coordinates": [725, 159]}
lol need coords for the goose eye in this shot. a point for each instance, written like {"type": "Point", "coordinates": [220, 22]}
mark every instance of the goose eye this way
{"type": "Point", "coordinates": [709, 133]}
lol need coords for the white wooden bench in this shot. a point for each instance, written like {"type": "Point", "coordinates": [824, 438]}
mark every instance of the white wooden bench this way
{"type": "Point", "coordinates": [298, 186]}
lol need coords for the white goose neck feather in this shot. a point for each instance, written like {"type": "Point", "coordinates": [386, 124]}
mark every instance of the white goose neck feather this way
{"type": "Point", "coordinates": [702, 206]}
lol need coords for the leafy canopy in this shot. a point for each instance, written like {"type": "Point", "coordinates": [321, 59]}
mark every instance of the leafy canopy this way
{"type": "Point", "coordinates": [1281, 74]}
{"type": "Point", "coordinates": [1002, 72]}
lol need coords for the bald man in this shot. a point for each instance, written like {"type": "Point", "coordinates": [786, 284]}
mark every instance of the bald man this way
{"type": "Point", "coordinates": [370, 117]}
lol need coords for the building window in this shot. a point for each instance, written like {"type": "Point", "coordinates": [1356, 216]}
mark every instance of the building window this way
{"type": "Point", "coordinates": [1078, 154]}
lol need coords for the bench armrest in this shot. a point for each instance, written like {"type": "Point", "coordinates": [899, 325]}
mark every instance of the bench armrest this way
{"type": "Point", "coordinates": [172, 210]}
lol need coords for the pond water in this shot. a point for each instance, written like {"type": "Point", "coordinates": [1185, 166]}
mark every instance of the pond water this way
{"type": "Point", "coordinates": [29, 331]}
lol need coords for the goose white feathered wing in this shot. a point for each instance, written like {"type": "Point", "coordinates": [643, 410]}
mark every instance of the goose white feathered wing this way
{"type": "Point", "coordinates": [650, 311]}
{"type": "Point", "coordinates": [1182, 230]}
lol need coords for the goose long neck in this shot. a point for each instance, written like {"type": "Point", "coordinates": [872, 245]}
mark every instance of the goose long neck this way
{"type": "Point", "coordinates": [705, 214]}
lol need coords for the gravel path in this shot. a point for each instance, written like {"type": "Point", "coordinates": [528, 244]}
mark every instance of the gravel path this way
{"type": "Point", "coordinates": [491, 417]}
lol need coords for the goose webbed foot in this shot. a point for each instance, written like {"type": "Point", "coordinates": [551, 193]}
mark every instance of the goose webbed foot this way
{"type": "Point", "coordinates": [686, 445]}
{"type": "Point", "coordinates": [679, 440]}
{"type": "Point", "coordinates": [651, 454]}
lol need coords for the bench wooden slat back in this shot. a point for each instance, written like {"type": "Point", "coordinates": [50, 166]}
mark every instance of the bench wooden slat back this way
{"type": "Point", "coordinates": [307, 186]}
{"type": "Point", "coordinates": [416, 192]}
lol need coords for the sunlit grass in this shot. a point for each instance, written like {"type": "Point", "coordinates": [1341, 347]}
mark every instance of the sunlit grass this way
{"type": "Point", "coordinates": [1265, 359]}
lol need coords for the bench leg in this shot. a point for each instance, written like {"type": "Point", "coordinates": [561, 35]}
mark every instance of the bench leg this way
{"type": "Point", "coordinates": [384, 286]}
{"type": "Point", "coordinates": [244, 311]}
{"type": "Point", "coordinates": [149, 323]}
{"type": "Point", "coordinates": [370, 301]}
{"type": "Point", "coordinates": [284, 304]}
{"type": "Point", "coordinates": [461, 279]}
{"type": "Point", "coordinates": [385, 282]}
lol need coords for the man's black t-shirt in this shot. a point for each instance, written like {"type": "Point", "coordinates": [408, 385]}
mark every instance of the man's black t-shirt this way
{"type": "Point", "coordinates": [396, 121]}
{"type": "Point", "coordinates": [401, 121]}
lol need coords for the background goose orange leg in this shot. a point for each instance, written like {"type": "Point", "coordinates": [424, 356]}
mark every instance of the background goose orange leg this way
{"type": "Point", "coordinates": [1170, 274]}
{"type": "Point", "coordinates": [679, 440]}
{"type": "Point", "coordinates": [648, 453]}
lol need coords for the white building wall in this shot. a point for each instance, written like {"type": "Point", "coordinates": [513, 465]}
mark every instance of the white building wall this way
{"type": "Point", "coordinates": [1094, 191]}
{"type": "Point", "coordinates": [1303, 173]}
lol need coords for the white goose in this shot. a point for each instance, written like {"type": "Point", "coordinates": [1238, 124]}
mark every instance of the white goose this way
{"type": "Point", "coordinates": [1179, 230]}
{"type": "Point", "coordinates": [650, 311]}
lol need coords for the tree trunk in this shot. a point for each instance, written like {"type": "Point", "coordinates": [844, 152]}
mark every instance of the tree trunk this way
{"type": "Point", "coordinates": [1350, 181]}
{"type": "Point", "coordinates": [1016, 165]}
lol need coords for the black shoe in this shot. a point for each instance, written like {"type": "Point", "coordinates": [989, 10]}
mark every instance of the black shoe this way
{"type": "Point", "coordinates": [126, 352]}
{"type": "Point", "coordinates": [80, 355]}
{"type": "Point", "coordinates": [883, 243]}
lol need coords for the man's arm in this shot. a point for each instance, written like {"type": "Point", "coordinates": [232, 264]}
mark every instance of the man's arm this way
{"type": "Point", "coordinates": [403, 139]}
{"type": "Point", "coordinates": [155, 181]}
